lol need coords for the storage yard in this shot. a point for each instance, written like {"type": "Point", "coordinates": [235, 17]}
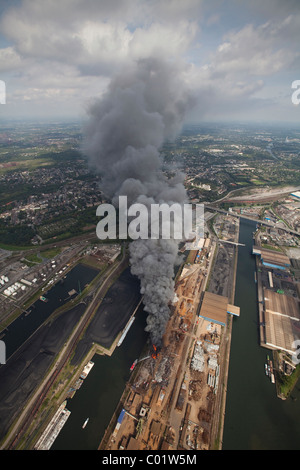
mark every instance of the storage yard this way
{"type": "Point", "coordinates": [170, 403]}
{"type": "Point", "coordinates": [19, 280]}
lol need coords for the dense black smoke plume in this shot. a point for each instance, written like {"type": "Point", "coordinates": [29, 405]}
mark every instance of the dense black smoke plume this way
{"type": "Point", "coordinates": [143, 107]}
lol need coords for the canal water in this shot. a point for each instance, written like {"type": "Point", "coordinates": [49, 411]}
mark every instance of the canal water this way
{"type": "Point", "coordinates": [255, 419]}
{"type": "Point", "coordinates": [101, 391]}
{"type": "Point", "coordinates": [25, 325]}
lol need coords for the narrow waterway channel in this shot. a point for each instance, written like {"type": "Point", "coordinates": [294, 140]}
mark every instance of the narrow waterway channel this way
{"type": "Point", "coordinates": [101, 391]}
{"type": "Point", "coordinates": [255, 418]}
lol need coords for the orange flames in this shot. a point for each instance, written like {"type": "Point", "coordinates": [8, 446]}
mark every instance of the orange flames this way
{"type": "Point", "coordinates": [155, 354]}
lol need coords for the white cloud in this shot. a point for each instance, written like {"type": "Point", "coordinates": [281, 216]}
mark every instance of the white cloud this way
{"type": "Point", "coordinates": [163, 39]}
{"type": "Point", "coordinates": [9, 59]}
{"type": "Point", "coordinates": [253, 51]}
{"type": "Point", "coordinates": [78, 33]}
{"type": "Point", "coordinates": [63, 51]}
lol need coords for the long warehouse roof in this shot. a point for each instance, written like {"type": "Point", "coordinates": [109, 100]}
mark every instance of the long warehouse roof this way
{"type": "Point", "coordinates": [281, 304]}
{"type": "Point", "coordinates": [215, 308]}
{"type": "Point", "coordinates": [282, 320]}
{"type": "Point", "coordinates": [270, 256]}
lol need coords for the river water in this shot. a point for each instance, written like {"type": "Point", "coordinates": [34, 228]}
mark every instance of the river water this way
{"type": "Point", "coordinates": [255, 418]}
{"type": "Point", "coordinates": [101, 391]}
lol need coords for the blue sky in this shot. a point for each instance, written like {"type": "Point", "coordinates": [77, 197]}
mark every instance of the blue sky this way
{"type": "Point", "coordinates": [239, 57]}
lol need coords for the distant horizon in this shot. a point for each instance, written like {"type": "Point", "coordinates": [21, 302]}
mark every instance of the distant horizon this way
{"type": "Point", "coordinates": [77, 120]}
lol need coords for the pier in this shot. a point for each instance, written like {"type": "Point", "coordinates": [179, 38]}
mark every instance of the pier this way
{"type": "Point", "coordinates": [53, 429]}
{"type": "Point", "coordinates": [232, 243]}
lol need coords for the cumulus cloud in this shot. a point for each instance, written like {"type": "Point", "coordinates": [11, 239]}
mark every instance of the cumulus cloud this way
{"type": "Point", "coordinates": [253, 51]}
{"type": "Point", "coordinates": [78, 45]}
{"type": "Point", "coordinates": [239, 75]}
{"type": "Point", "coordinates": [65, 44]}
{"type": "Point", "coordinates": [87, 31]}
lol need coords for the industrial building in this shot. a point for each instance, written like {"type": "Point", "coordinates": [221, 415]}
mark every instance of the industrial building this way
{"type": "Point", "coordinates": [214, 308]}
{"type": "Point", "coordinates": [296, 194]}
{"type": "Point", "coordinates": [272, 259]}
{"type": "Point", "coordinates": [282, 304]}
{"type": "Point", "coordinates": [282, 320]}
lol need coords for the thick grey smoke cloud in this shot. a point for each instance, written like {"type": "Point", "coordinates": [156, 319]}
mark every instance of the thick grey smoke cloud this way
{"type": "Point", "coordinates": [143, 107]}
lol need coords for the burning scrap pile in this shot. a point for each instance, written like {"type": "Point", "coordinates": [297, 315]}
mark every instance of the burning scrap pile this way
{"type": "Point", "coordinates": [155, 353]}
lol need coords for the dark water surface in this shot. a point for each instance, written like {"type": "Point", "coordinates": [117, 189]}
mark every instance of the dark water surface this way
{"type": "Point", "coordinates": [101, 391]}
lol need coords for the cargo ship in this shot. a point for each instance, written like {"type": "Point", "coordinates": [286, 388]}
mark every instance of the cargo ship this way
{"type": "Point", "coordinates": [272, 373]}
{"type": "Point", "coordinates": [269, 370]}
{"type": "Point", "coordinates": [272, 378]}
{"type": "Point", "coordinates": [87, 369]}
{"type": "Point", "coordinates": [133, 365]}
{"type": "Point", "coordinates": [125, 331]}
{"type": "Point", "coordinates": [85, 423]}
{"type": "Point", "coordinates": [266, 369]}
